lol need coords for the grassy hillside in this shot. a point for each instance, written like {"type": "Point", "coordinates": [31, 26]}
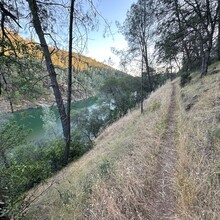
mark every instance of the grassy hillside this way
{"type": "Point", "coordinates": [198, 147]}
{"type": "Point", "coordinates": [116, 173]}
{"type": "Point", "coordinates": [118, 179]}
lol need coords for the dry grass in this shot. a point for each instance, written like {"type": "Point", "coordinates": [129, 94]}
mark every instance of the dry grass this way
{"type": "Point", "coordinates": [115, 179]}
{"type": "Point", "coordinates": [198, 169]}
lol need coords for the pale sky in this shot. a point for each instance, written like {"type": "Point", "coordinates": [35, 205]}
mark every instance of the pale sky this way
{"type": "Point", "coordinates": [99, 47]}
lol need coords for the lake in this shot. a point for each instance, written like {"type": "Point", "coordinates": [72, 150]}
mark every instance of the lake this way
{"type": "Point", "coordinates": [31, 118]}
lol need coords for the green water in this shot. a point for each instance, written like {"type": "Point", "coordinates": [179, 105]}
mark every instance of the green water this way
{"type": "Point", "coordinates": [31, 118]}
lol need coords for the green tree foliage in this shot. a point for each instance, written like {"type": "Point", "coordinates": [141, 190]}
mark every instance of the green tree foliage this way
{"type": "Point", "coordinates": [185, 78]}
{"type": "Point", "coordinates": [187, 30]}
{"type": "Point", "coordinates": [137, 29]}
{"type": "Point", "coordinates": [11, 135]}
{"type": "Point", "coordinates": [22, 79]}
{"type": "Point", "coordinates": [49, 123]}
{"type": "Point", "coordinates": [89, 122]}
{"type": "Point", "coordinates": [121, 94]}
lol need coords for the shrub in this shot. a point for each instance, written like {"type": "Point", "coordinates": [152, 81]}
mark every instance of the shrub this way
{"type": "Point", "coordinates": [53, 153]}
{"type": "Point", "coordinates": [185, 78]}
{"type": "Point", "coordinates": [216, 133]}
{"type": "Point", "coordinates": [17, 179]}
{"type": "Point", "coordinates": [80, 145]}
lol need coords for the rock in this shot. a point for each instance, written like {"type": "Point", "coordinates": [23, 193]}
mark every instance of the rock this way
{"type": "Point", "coordinates": [214, 71]}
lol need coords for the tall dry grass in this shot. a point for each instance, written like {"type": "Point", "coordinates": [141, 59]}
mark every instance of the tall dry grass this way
{"type": "Point", "coordinates": [198, 148]}
{"type": "Point", "coordinates": [125, 191]}
{"type": "Point", "coordinates": [115, 179]}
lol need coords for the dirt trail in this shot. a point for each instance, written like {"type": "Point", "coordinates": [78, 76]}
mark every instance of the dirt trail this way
{"type": "Point", "coordinates": [163, 206]}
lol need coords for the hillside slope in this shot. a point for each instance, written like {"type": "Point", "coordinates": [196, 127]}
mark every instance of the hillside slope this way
{"type": "Point", "coordinates": [137, 161]}
{"type": "Point", "coordinates": [198, 147]}
{"type": "Point", "coordinates": [29, 48]}
{"type": "Point", "coordinates": [25, 83]}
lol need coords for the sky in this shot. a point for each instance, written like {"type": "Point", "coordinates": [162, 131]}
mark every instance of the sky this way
{"type": "Point", "coordinates": [99, 47]}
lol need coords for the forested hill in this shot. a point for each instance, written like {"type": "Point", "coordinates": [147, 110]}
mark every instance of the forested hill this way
{"type": "Point", "coordinates": [59, 57]}
{"type": "Point", "coordinates": [25, 82]}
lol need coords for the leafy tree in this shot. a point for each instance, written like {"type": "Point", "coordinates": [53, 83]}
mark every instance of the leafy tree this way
{"type": "Point", "coordinates": [11, 136]}
{"type": "Point", "coordinates": [137, 29]}
{"type": "Point", "coordinates": [121, 94]}
{"type": "Point", "coordinates": [192, 26]}
{"type": "Point", "coordinates": [9, 45]}
{"type": "Point", "coordinates": [40, 16]}
{"type": "Point", "coordinates": [49, 123]}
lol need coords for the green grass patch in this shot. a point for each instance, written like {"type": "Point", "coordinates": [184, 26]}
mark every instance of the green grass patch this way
{"type": "Point", "coordinates": [154, 106]}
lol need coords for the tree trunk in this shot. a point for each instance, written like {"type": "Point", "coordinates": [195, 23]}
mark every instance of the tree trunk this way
{"type": "Point", "coordinates": [206, 56]}
{"type": "Point", "coordinates": [219, 30]}
{"type": "Point", "coordinates": [142, 93]}
{"type": "Point", "coordinates": [7, 92]}
{"type": "Point", "coordinates": [142, 83]}
{"type": "Point", "coordinates": [50, 67]}
{"type": "Point", "coordinates": [69, 89]}
{"type": "Point", "coordinates": [177, 63]}
{"type": "Point", "coordinates": [188, 64]}
{"type": "Point", "coordinates": [171, 70]}
{"type": "Point", "coordinates": [148, 70]}
{"type": "Point", "coordinates": [205, 62]}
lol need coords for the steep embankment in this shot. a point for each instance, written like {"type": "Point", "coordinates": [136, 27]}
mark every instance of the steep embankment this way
{"type": "Point", "coordinates": [198, 148]}
{"type": "Point", "coordinates": [163, 164]}
{"type": "Point", "coordinates": [116, 178]}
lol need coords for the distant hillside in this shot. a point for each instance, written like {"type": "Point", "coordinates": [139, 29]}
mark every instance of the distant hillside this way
{"type": "Point", "coordinates": [125, 176]}
{"type": "Point", "coordinates": [27, 78]}
{"type": "Point", "coordinates": [59, 57]}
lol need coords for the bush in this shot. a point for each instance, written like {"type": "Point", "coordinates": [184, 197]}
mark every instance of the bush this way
{"type": "Point", "coordinates": [185, 78]}
{"type": "Point", "coordinates": [16, 180]}
{"type": "Point", "coordinates": [105, 168]}
{"type": "Point", "coordinates": [20, 177]}
{"type": "Point", "coordinates": [25, 153]}
{"type": "Point", "coordinates": [53, 154]}
{"type": "Point", "coordinates": [80, 145]}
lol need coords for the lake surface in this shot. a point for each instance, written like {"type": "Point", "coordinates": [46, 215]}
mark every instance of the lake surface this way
{"type": "Point", "coordinates": [31, 118]}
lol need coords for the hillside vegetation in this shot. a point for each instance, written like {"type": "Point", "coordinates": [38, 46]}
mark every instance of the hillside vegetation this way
{"type": "Point", "coordinates": [118, 179]}
{"type": "Point", "coordinates": [59, 57]}
{"type": "Point", "coordinates": [24, 81]}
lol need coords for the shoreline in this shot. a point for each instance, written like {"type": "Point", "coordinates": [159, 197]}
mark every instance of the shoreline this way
{"type": "Point", "coordinates": [5, 105]}
{"type": "Point", "coordinates": [25, 105]}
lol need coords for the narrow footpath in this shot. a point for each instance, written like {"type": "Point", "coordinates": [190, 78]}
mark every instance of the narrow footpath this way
{"type": "Point", "coordinates": [163, 206]}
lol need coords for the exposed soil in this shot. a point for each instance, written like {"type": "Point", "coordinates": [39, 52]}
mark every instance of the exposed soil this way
{"type": "Point", "coordinates": [163, 205]}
